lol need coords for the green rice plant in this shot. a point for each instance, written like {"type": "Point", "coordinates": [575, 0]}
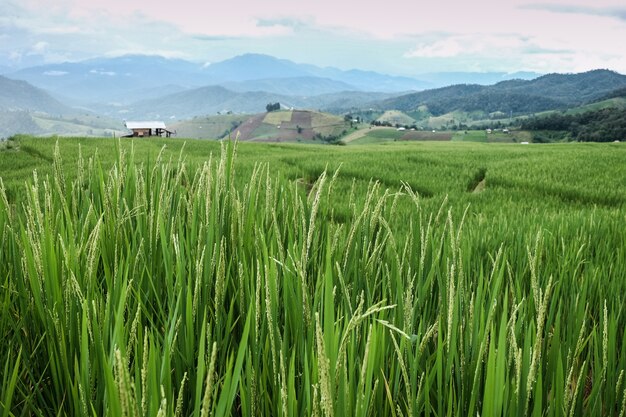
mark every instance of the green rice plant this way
{"type": "Point", "coordinates": [175, 288]}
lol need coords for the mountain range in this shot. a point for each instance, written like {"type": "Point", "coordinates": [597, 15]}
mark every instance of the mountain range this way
{"type": "Point", "coordinates": [126, 79]}
{"type": "Point", "coordinates": [548, 92]}
{"type": "Point", "coordinates": [149, 87]}
{"type": "Point", "coordinates": [16, 95]}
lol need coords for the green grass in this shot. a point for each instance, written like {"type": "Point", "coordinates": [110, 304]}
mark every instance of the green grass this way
{"type": "Point", "coordinates": [311, 280]}
{"type": "Point", "coordinates": [372, 140]}
{"type": "Point", "coordinates": [396, 117]}
{"type": "Point", "coordinates": [470, 136]}
{"type": "Point", "coordinates": [388, 134]}
{"type": "Point", "coordinates": [211, 127]}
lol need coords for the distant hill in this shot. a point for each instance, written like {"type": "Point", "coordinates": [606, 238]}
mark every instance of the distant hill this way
{"type": "Point", "coordinates": [21, 96]}
{"type": "Point", "coordinates": [572, 89]}
{"type": "Point", "coordinates": [553, 91]}
{"type": "Point", "coordinates": [105, 80]}
{"type": "Point", "coordinates": [602, 125]}
{"type": "Point", "coordinates": [619, 93]}
{"type": "Point", "coordinates": [344, 101]}
{"type": "Point", "coordinates": [213, 99]}
{"type": "Point", "coordinates": [19, 101]}
{"type": "Point", "coordinates": [12, 122]}
{"type": "Point", "coordinates": [292, 126]}
{"type": "Point", "coordinates": [254, 67]}
{"type": "Point", "coordinates": [293, 86]}
{"type": "Point", "coordinates": [443, 79]}
{"type": "Point", "coordinates": [204, 101]}
{"type": "Point", "coordinates": [396, 117]}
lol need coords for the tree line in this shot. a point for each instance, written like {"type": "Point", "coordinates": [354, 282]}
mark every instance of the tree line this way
{"type": "Point", "coordinates": [606, 125]}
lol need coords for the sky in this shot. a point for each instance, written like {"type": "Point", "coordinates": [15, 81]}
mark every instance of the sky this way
{"type": "Point", "coordinates": [404, 37]}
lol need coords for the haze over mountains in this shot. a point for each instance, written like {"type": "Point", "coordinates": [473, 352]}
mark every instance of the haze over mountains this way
{"type": "Point", "coordinates": [99, 80]}
{"type": "Point", "coordinates": [152, 87]}
{"type": "Point", "coordinates": [19, 95]}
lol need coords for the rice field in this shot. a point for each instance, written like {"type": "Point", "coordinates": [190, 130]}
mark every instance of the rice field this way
{"type": "Point", "coordinates": [156, 278]}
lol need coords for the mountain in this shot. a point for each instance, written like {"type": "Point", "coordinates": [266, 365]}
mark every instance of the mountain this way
{"type": "Point", "coordinates": [298, 86]}
{"type": "Point", "coordinates": [548, 92]}
{"type": "Point", "coordinates": [443, 79]}
{"type": "Point", "coordinates": [210, 100]}
{"type": "Point", "coordinates": [105, 80]}
{"type": "Point", "coordinates": [344, 101]}
{"type": "Point", "coordinates": [573, 89]}
{"type": "Point", "coordinates": [12, 122]}
{"type": "Point", "coordinates": [203, 101]}
{"type": "Point", "coordinates": [255, 67]}
{"type": "Point", "coordinates": [619, 93]}
{"type": "Point", "coordinates": [373, 81]}
{"type": "Point", "coordinates": [21, 96]}
{"type": "Point", "coordinates": [102, 80]}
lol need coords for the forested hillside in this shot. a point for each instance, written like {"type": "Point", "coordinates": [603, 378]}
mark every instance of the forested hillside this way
{"type": "Point", "coordinates": [605, 125]}
{"type": "Point", "coordinates": [549, 92]}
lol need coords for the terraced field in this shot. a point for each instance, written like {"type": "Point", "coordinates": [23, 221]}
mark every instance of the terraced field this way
{"type": "Point", "coordinates": [159, 277]}
{"type": "Point", "coordinates": [290, 126]}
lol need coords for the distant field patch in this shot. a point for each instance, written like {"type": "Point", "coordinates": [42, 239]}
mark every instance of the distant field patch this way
{"type": "Point", "coordinates": [246, 130]}
{"type": "Point", "coordinates": [396, 117]}
{"type": "Point", "coordinates": [422, 135]}
{"type": "Point", "coordinates": [277, 117]}
{"type": "Point", "coordinates": [325, 120]}
{"type": "Point", "coordinates": [391, 134]}
{"type": "Point", "coordinates": [470, 136]}
{"type": "Point", "coordinates": [292, 126]}
{"type": "Point", "coordinates": [211, 127]}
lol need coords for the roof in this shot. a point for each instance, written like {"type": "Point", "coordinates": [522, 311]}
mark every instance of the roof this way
{"type": "Point", "coordinates": [145, 125]}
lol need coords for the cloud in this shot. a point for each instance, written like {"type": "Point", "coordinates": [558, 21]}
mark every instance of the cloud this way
{"type": "Point", "coordinates": [40, 47]}
{"type": "Point", "coordinates": [102, 72]}
{"type": "Point", "coordinates": [450, 36]}
{"type": "Point", "coordinates": [55, 73]}
{"type": "Point", "coordinates": [283, 22]}
{"type": "Point", "coordinates": [215, 38]}
{"type": "Point", "coordinates": [511, 52]}
{"type": "Point", "coordinates": [614, 12]}
{"type": "Point", "coordinates": [452, 46]}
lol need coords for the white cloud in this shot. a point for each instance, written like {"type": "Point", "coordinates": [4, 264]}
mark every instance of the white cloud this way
{"type": "Point", "coordinates": [101, 72]}
{"type": "Point", "coordinates": [55, 73]}
{"type": "Point", "coordinates": [477, 44]}
{"type": "Point", "coordinates": [40, 47]}
{"type": "Point", "coordinates": [564, 35]}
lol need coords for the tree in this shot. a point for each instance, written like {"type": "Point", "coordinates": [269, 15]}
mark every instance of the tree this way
{"type": "Point", "coordinates": [272, 107]}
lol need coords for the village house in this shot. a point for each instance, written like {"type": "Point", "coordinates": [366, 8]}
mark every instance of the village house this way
{"type": "Point", "coordinates": [145, 129]}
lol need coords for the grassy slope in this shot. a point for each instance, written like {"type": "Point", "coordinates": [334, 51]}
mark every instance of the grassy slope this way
{"type": "Point", "coordinates": [396, 117]}
{"type": "Point", "coordinates": [210, 127]}
{"type": "Point", "coordinates": [343, 302]}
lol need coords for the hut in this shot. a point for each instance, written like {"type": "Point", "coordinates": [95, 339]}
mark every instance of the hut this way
{"type": "Point", "coordinates": [152, 128]}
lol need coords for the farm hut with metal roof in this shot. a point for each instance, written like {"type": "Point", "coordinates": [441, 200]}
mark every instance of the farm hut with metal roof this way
{"type": "Point", "coordinates": [150, 128]}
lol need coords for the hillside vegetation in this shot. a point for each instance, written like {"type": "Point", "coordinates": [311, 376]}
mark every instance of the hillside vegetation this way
{"type": "Point", "coordinates": [552, 91]}
{"type": "Point", "coordinates": [604, 125]}
{"type": "Point", "coordinates": [18, 95]}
